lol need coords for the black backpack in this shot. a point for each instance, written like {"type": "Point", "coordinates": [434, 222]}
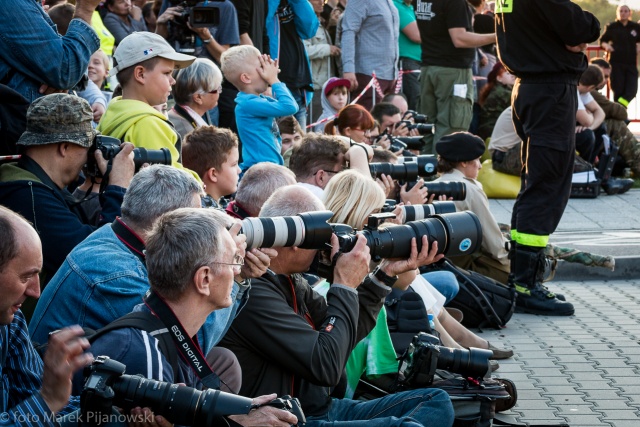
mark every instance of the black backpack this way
{"type": "Point", "coordinates": [483, 301]}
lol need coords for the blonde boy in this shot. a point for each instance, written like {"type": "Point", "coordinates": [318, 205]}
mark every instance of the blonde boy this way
{"type": "Point", "coordinates": [253, 73]}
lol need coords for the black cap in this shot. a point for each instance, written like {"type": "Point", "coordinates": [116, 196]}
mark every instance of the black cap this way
{"type": "Point", "coordinates": [460, 147]}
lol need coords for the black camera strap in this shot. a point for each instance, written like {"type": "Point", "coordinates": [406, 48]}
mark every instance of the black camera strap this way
{"type": "Point", "coordinates": [186, 345]}
{"type": "Point", "coordinates": [129, 238]}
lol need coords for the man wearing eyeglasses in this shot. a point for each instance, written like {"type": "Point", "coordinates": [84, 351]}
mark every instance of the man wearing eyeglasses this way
{"type": "Point", "coordinates": [192, 259]}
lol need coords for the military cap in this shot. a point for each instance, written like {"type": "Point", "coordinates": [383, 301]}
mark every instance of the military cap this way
{"type": "Point", "coordinates": [460, 147]}
{"type": "Point", "coordinates": [59, 118]}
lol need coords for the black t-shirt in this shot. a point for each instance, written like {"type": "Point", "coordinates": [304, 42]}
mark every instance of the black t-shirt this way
{"type": "Point", "coordinates": [485, 24]}
{"type": "Point", "coordinates": [434, 18]}
{"type": "Point", "coordinates": [293, 63]}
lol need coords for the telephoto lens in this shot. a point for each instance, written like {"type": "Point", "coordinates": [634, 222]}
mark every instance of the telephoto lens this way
{"type": "Point", "coordinates": [457, 234]}
{"type": "Point", "coordinates": [418, 212]}
{"type": "Point", "coordinates": [106, 386]}
{"type": "Point", "coordinates": [468, 363]}
{"type": "Point", "coordinates": [427, 164]}
{"type": "Point", "coordinates": [454, 189]}
{"type": "Point", "coordinates": [410, 142]}
{"type": "Point", "coordinates": [308, 230]}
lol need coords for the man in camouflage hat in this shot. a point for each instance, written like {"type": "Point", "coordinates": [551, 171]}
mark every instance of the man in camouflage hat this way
{"type": "Point", "coordinates": [54, 149]}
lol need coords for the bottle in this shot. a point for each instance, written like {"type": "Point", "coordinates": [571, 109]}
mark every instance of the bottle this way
{"type": "Point", "coordinates": [432, 324]}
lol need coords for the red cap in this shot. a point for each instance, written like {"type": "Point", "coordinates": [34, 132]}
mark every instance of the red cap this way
{"type": "Point", "coordinates": [334, 82]}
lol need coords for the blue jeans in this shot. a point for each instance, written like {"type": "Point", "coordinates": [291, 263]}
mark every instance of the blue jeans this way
{"type": "Point", "coordinates": [445, 282]}
{"type": "Point", "coordinates": [414, 408]}
{"type": "Point", "coordinates": [300, 96]}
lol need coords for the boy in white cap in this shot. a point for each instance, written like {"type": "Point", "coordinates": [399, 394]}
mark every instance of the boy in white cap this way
{"type": "Point", "coordinates": [144, 63]}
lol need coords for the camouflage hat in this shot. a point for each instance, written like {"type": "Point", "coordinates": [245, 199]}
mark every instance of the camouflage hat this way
{"type": "Point", "coordinates": [59, 118]}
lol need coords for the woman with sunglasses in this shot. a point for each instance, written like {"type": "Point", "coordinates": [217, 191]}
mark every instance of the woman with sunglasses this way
{"type": "Point", "coordinates": [196, 91]}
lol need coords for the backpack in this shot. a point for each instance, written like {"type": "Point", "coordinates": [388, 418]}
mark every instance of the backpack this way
{"type": "Point", "coordinates": [485, 302]}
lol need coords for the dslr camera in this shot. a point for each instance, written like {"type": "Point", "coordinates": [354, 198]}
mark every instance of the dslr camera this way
{"type": "Point", "coordinates": [419, 362]}
{"type": "Point", "coordinates": [422, 128]}
{"type": "Point", "coordinates": [110, 148]}
{"type": "Point", "coordinates": [413, 115]}
{"type": "Point", "coordinates": [106, 385]}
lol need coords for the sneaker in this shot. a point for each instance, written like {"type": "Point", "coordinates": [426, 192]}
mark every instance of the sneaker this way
{"type": "Point", "coordinates": [539, 300]}
{"type": "Point", "coordinates": [617, 185]}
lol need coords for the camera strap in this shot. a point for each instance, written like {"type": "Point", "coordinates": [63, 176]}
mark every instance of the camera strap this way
{"type": "Point", "coordinates": [186, 345]}
{"type": "Point", "coordinates": [129, 238]}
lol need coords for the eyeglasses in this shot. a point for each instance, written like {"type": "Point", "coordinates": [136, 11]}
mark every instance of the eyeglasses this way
{"type": "Point", "coordinates": [326, 171]}
{"type": "Point", "coordinates": [237, 263]}
{"type": "Point", "coordinates": [213, 92]}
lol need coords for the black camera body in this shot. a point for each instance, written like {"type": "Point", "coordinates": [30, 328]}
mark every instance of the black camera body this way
{"type": "Point", "coordinates": [196, 17]}
{"type": "Point", "coordinates": [415, 116]}
{"type": "Point", "coordinates": [292, 405]}
{"type": "Point", "coordinates": [422, 128]}
{"type": "Point", "coordinates": [107, 385]}
{"type": "Point", "coordinates": [110, 147]}
{"type": "Point", "coordinates": [424, 355]}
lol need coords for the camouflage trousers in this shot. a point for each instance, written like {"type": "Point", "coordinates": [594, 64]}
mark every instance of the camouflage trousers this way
{"type": "Point", "coordinates": [509, 162]}
{"type": "Point", "coordinates": [627, 142]}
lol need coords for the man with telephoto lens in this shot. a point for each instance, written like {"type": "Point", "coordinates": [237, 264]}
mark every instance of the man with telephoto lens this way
{"type": "Point", "coordinates": [192, 260]}
{"type": "Point", "coordinates": [54, 149]}
{"type": "Point", "coordinates": [542, 43]}
{"type": "Point", "coordinates": [291, 340]}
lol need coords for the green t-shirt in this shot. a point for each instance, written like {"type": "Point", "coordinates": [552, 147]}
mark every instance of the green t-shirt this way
{"type": "Point", "coordinates": [408, 49]}
{"type": "Point", "coordinates": [374, 355]}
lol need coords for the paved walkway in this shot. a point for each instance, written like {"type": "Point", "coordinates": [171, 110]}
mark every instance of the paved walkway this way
{"type": "Point", "coordinates": [582, 370]}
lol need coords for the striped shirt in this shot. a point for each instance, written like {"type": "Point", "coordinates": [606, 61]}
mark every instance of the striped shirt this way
{"type": "Point", "coordinates": [21, 369]}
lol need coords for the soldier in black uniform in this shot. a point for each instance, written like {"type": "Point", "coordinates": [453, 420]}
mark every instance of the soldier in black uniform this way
{"type": "Point", "coordinates": [620, 39]}
{"type": "Point", "coordinates": [541, 43]}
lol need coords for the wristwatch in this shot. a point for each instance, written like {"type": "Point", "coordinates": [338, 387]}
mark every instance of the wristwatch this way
{"type": "Point", "coordinates": [380, 275]}
{"type": "Point", "coordinates": [207, 41]}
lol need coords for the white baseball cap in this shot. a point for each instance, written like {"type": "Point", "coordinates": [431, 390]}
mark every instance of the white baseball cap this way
{"type": "Point", "coordinates": [140, 46]}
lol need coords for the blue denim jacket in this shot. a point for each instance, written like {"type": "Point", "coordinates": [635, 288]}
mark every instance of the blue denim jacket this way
{"type": "Point", "coordinates": [31, 46]}
{"type": "Point", "coordinates": [100, 281]}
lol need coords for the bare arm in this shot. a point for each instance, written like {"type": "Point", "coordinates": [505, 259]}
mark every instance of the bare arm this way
{"type": "Point", "coordinates": [411, 31]}
{"type": "Point", "coordinates": [462, 38]}
{"type": "Point", "coordinates": [598, 114]}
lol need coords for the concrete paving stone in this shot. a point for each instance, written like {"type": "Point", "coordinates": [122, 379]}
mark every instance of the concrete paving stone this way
{"type": "Point", "coordinates": [591, 385]}
{"type": "Point", "coordinates": [517, 377]}
{"type": "Point", "coordinates": [554, 380]}
{"type": "Point", "coordinates": [541, 363]}
{"type": "Point", "coordinates": [634, 398]}
{"type": "Point", "coordinates": [621, 423]}
{"type": "Point", "coordinates": [532, 394]}
{"type": "Point", "coordinates": [575, 358]}
{"type": "Point", "coordinates": [532, 355]}
{"type": "Point", "coordinates": [614, 363]}
{"type": "Point", "coordinates": [624, 380]}
{"type": "Point", "coordinates": [548, 372]}
{"type": "Point", "coordinates": [630, 388]}
{"type": "Point", "coordinates": [585, 409]}
{"type": "Point", "coordinates": [597, 347]}
{"type": "Point", "coordinates": [610, 354]}
{"type": "Point", "coordinates": [528, 405]}
{"type": "Point", "coordinates": [512, 369]}
{"type": "Point", "coordinates": [629, 350]}
{"type": "Point", "coordinates": [613, 414]}
{"type": "Point", "coordinates": [579, 367]}
{"type": "Point", "coordinates": [567, 351]}
{"type": "Point", "coordinates": [604, 393]}
{"type": "Point", "coordinates": [620, 372]}
{"type": "Point", "coordinates": [588, 376]}
{"type": "Point", "coordinates": [582, 420]}
{"type": "Point", "coordinates": [568, 399]}
{"type": "Point", "coordinates": [547, 421]}
{"type": "Point", "coordinates": [621, 404]}
{"type": "Point", "coordinates": [560, 390]}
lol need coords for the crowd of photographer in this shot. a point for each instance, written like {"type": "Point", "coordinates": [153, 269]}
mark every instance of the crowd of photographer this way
{"type": "Point", "coordinates": [218, 248]}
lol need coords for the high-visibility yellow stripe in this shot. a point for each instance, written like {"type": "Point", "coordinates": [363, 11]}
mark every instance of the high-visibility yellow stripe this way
{"type": "Point", "coordinates": [514, 234]}
{"type": "Point", "coordinates": [623, 101]}
{"type": "Point", "coordinates": [532, 240]}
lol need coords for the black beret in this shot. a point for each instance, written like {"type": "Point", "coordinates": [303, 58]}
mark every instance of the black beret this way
{"type": "Point", "coordinates": [460, 147]}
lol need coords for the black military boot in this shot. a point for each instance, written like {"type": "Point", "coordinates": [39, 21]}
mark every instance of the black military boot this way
{"type": "Point", "coordinates": [616, 185]}
{"type": "Point", "coordinates": [533, 297]}
{"type": "Point", "coordinates": [510, 246]}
